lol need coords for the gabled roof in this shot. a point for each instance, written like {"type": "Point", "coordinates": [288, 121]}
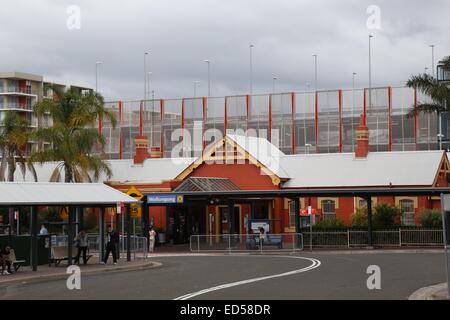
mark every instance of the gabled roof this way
{"type": "Point", "coordinates": [199, 184]}
{"type": "Point", "coordinates": [406, 168]}
{"type": "Point", "coordinates": [47, 193]}
{"type": "Point", "coordinates": [233, 149]}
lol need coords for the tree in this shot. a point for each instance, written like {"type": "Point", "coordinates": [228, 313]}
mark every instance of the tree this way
{"type": "Point", "coordinates": [383, 216]}
{"type": "Point", "coordinates": [430, 218]}
{"type": "Point", "coordinates": [73, 136]}
{"type": "Point", "coordinates": [14, 134]}
{"type": "Point", "coordinates": [438, 92]}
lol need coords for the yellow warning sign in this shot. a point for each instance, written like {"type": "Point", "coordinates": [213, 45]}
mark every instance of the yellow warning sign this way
{"type": "Point", "coordinates": [135, 193]}
{"type": "Point", "coordinates": [64, 213]}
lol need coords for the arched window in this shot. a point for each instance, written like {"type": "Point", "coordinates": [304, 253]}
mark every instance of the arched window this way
{"type": "Point", "coordinates": [407, 209]}
{"type": "Point", "coordinates": [329, 209]}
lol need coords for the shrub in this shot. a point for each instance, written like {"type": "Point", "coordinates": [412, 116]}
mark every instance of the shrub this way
{"type": "Point", "coordinates": [383, 216]}
{"type": "Point", "coordinates": [386, 216]}
{"type": "Point", "coordinates": [359, 218]}
{"type": "Point", "coordinates": [330, 223]}
{"type": "Point", "coordinates": [430, 218]}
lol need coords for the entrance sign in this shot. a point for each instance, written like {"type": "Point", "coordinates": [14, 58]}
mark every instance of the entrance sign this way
{"type": "Point", "coordinates": [256, 224]}
{"type": "Point", "coordinates": [165, 198]}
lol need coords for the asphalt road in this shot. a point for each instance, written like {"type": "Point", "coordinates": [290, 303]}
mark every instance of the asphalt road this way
{"type": "Point", "coordinates": [339, 276]}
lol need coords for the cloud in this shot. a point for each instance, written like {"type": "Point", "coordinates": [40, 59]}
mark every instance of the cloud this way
{"type": "Point", "coordinates": [180, 34]}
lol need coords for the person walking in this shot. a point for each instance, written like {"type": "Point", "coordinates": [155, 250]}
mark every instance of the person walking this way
{"type": "Point", "coordinates": [81, 242]}
{"type": "Point", "coordinates": [111, 245]}
{"type": "Point", "coordinates": [152, 239]}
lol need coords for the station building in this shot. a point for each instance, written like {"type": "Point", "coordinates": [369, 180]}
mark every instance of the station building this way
{"type": "Point", "coordinates": [244, 163]}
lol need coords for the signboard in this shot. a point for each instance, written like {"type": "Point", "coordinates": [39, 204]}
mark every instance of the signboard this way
{"type": "Point", "coordinates": [135, 193]}
{"type": "Point", "coordinates": [304, 212]}
{"type": "Point", "coordinates": [256, 224]}
{"type": "Point", "coordinates": [64, 213]}
{"type": "Point", "coordinates": [165, 198]}
{"type": "Point", "coordinates": [135, 210]}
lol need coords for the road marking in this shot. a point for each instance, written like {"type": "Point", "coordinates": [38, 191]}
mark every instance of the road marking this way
{"type": "Point", "coordinates": [315, 264]}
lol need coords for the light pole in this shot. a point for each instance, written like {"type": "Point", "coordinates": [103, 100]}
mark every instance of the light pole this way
{"type": "Point", "coordinates": [209, 76]}
{"type": "Point", "coordinates": [251, 68]}
{"type": "Point", "coordinates": [96, 74]}
{"type": "Point", "coordinates": [274, 79]}
{"type": "Point", "coordinates": [149, 74]}
{"type": "Point", "coordinates": [425, 70]}
{"type": "Point", "coordinates": [432, 59]}
{"type": "Point", "coordinates": [315, 72]}
{"type": "Point", "coordinates": [195, 88]}
{"type": "Point", "coordinates": [145, 78]}
{"type": "Point", "coordinates": [370, 71]}
{"type": "Point", "coordinates": [440, 135]}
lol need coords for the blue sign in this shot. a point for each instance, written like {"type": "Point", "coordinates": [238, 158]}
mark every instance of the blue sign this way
{"type": "Point", "coordinates": [166, 198]}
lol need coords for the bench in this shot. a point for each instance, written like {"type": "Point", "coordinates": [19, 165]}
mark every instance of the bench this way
{"type": "Point", "coordinates": [16, 264]}
{"type": "Point", "coordinates": [60, 253]}
{"type": "Point", "coordinates": [252, 243]}
{"type": "Point", "coordinates": [274, 240]}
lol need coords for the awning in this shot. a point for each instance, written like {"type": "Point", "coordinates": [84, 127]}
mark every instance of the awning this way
{"type": "Point", "coordinates": [201, 184]}
{"type": "Point", "coordinates": [54, 193]}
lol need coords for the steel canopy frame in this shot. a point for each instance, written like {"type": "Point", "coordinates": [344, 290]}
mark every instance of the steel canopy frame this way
{"type": "Point", "coordinates": [230, 197]}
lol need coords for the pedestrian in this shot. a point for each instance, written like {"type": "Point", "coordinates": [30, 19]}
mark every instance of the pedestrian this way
{"type": "Point", "coordinates": [43, 231]}
{"type": "Point", "coordinates": [81, 242]}
{"type": "Point", "coordinates": [111, 245]}
{"type": "Point", "coordinates": [5, 260]}
{"type": "Point", "coordinates": [262, 235]}
{"type": "Point", "coordinates": [152, 239]}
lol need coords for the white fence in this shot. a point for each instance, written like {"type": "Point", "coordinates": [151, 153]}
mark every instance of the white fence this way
{"type": "Point", "coordinates": [285, 242]}
{"type": "Point", "coordinates": [380, 238]}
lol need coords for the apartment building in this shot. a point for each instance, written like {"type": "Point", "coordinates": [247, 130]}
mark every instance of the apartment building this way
{"type": "Point", "coordinates": [20, 91]}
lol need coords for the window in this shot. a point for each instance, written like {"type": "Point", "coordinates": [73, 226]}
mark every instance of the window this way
{"type": "Point", "coordinates": [362, 203]}
{"type": "Point", "coordinates": [328, 209]}
{"type": "Point", "coordinates": [291, 214]}
{"type": "Point", "coordinates": [407, 209]}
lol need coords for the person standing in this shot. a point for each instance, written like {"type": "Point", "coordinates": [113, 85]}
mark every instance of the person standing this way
{"type": "Point", "coordinates": [111, 245]}
{"type": "Point", "coordinates": [43, 231]}
{"type": "Point", "coordinates": [152, 238]}
{"type": "Point", "coordinates": [81, 241]}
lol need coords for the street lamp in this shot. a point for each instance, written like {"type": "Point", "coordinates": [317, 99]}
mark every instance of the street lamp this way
{"type": "Point", "coordinates": [370, 71]}
{"type": "Point", "coordinates": [96, 74]}
{"type": "Point", "coordinates": [251, 68]}
{"type": "Point", "coordinates": [274, 78]}
{"type": "Point", "coordinates": [432, 59]}
{"type": "Point", "coordinates": [195, 88]}
{"type": "Point", "coordinates": [145, 77]}
{"type": "Point", "coordinates": [315, 72]}
{"type": "Point", "coordinates": [209, 76]}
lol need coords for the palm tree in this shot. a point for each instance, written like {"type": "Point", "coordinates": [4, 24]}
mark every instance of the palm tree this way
{"type": "Point", "coordinates": [73, 136]}
{"type": "Point", "coordinates": [14, 134]}
{"type": "Point", "coordinates": [438, 92]}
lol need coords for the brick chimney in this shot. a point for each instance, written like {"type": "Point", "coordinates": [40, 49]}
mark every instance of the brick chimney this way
{"type": "Point", "coordinates": [141, 143]}
{"type": "Point", "coordinates": [155, 152]}
{"type": "Point", "coordinates": [362, 139]}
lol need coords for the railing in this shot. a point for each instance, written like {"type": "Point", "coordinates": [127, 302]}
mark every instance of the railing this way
{"type": "Point", "coordinates": [15, 105]}
{"type": "Point", "coordinates": [285, 242]}
{"type": "Point", "coordinates": [380, 238]}
{"type": "Point", "coordinates": [138, 245]}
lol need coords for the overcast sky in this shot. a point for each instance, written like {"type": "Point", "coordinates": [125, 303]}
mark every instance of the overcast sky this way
{"type": "Point", "coordinates": [181, 34]}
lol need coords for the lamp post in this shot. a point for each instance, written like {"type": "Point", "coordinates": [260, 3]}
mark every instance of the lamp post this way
{"type": "Point", "coordinates": [370, 71]}
{"type": "Point", "coordinates": [96, 74]}
{"type": "Point", "coordinates": [145, 78]}
{"type": "Point", "coordinates": [195, 88]}
{"type": "Point", "coordinates": [251, 68]}
{"type": "Point", "coordinates": [208, 62]}
{"type": "Point", "coordinates": [315, 72]}
{"type": "Point", "coordinates": [274, 79]}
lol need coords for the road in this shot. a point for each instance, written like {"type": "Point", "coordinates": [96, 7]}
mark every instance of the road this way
{"type": "Point", "coordinates": [335, 276]}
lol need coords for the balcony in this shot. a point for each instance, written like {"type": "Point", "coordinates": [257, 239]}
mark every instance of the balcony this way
{"type": "Point", "coordinates": [18, 91]}
{"type": "Point", "coordinates": [16, 107]}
